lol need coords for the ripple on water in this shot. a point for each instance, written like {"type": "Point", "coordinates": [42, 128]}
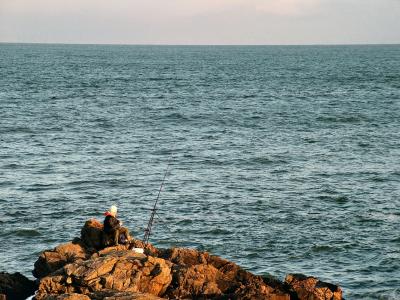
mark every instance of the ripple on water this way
{"type": "Point", "coordinates": [37, 187]}
{"type": "Point", "coordinates": [24, 233]}
{"type": "Point", "coordinates": [339, 199]}
{"type": "Point", "coordinates": [12, 166]}
{"type": "Point", "coordinates": [325, 248]}
{"type": "Point", "coordinates": [184, 222]}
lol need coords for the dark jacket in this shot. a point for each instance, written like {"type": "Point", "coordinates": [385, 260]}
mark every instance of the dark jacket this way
{"type": "Point", "coordinates": [111, 224]}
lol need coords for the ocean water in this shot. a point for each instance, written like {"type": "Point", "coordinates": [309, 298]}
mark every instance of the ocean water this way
{"type": "Point", "coordinates": [282, 158]}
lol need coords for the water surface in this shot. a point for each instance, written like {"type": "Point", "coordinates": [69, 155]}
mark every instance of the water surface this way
{"type": "Point", "coordinates": [284, 159]}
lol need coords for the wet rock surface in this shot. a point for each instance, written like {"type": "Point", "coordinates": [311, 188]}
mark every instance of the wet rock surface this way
{"type": "Point", "coordinates": [16, 286]}
{"type": "Point", "coordinates": [82, 270]}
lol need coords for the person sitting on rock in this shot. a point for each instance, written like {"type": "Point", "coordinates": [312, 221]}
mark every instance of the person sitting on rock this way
{"type": "Point", "coordinates": [113, 233]}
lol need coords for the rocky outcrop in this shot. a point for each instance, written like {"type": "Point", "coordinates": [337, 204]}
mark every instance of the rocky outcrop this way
{"type": "Point", "coordinates": [104, 295]}
{"type": "Point", "coordinates": [308, 287]}
{"type": "Point", "coordinates": [117, 270]}
{"type": "Point", "coordinates": [80, 249]}
{"type": "Point", "coordinates": [91, 237]}
{"type": "Point", "coordinates": [51, 260]}
{"type": "Point", "coordinates": [91, 234]}
{"type": "Point", "coordinates": [82, 270]}
{"type": "Point", "coordinates": [16, 286]}
{"type": "Point", "coordinates": [175, 274]}
{"type": "Point", "coordinates": [201, 275]}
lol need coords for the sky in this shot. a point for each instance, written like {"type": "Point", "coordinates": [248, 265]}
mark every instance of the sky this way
{"type": "Point", "coordinates": [193, 22]}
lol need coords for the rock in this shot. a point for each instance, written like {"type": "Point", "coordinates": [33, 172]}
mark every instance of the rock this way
{"type": "Point", "coordinates": [199, 274]}
{"type": "Point", "coordinates": [113, 295]}
{"type": "Point", "coordinates": [118, 270]}
{"type": "Point", "coordinates": [308, 287]}
{"type": "Point", "coordinates": [183, 256]}
{"type": "Point", "coordinates": [92, 234]}
{"type": "Point", "coordinates": [109, 250]}
{"type": "Point", "coordinates": [16, 286]}
{"type": "Point", "coordinates": [82, 270]}
{"type": "Point", "coordinates": [81, 249]}
{"type": "Point", "coordinates": [51, 260]}
{"type": "Point", "coordinates": [104, 295]}
{"type": "Point", "coordinates": [72, 296]}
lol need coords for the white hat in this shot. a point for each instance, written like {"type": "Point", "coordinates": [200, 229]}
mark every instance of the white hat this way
{"type": "Point", "coordinates": [113, 209]}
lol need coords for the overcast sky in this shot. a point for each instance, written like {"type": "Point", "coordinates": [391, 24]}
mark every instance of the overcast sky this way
{"type": "Point", "coordinates": [200, 21]}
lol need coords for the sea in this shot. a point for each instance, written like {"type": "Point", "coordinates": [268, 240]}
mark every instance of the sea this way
{"type": "Point", "coordinates": [283, 159]}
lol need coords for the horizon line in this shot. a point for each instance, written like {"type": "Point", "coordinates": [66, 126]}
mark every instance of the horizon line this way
{"type": "Point", "coordinates": [167, 44]}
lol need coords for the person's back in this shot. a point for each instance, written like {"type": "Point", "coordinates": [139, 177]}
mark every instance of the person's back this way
{"type": "Point", "coordinates": [112, 229]}
{"type": "Point", "coordinates": [111, 223]}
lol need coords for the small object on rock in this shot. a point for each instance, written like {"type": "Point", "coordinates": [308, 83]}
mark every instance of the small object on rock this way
{"type": "Point", "coordinates": [138, 250]}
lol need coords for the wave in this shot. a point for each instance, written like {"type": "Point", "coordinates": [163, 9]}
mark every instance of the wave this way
{"type": "Point", "coordinates": [12, 166]}
{"type": "Point", "coordinates": [163, 79]}
{"type": "Point", "coordinates": [342, 119]}
{"type": "Point", "coordinates": [252, 161]}
{"type": "Point", "coordinates": [324, 248]}
{"type": "Point", "coordinates": [262, 160]}
{"type": "Point", "coordinates": [101, 183]}
{"type": "Point", "coordinates": [14, 130]}
{"type": "Point", "coordinates": [217, 231]}
{"type": "Point", "coordinates": [24, 232]}
{"type": "Point", "coordinates": [340, 199]}
{"type": "Point", "coordinates": [40, 187]}
{"type": "Point", "coordinates": [176, 116]}
{"type": "Point", "coordinates": [6, 183]}
{"type": "Point", "coordinates": [184, 222]}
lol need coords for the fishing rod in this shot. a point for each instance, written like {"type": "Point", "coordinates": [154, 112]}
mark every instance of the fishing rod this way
{"type": "Point", "coordinates": [147, 231]}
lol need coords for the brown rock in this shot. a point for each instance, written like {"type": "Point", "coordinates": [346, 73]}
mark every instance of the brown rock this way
{"type": "Point", "coordinates": [119, 270]}
{"type": "Point", "coordinates": [308, 287]}
{"type": "Point", "coordinates": [184, 256]}
{"type": "Point", "coordinates": [115, 295]}
{"type": "Point", "coordinates": [194, 282]}
{"type": "Point", "coordinates": [16, 286]}
{"type": "Point", "coordinates": [201, 275]}
{"type": "Point", "coordinates": [81, 249]}
{"type": "Point", "coordinates": [72, 296]}
{"type": "Point", "coordinates": [83, 269]}
{"type": "Point", "coordinates": [53, 285]}
{"type": "Point", "coordinates": [52, 260]}
{"type": "Point", "coordinates": [92, 234]}
{"type": "Point", "coordinates": [109, 250]}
